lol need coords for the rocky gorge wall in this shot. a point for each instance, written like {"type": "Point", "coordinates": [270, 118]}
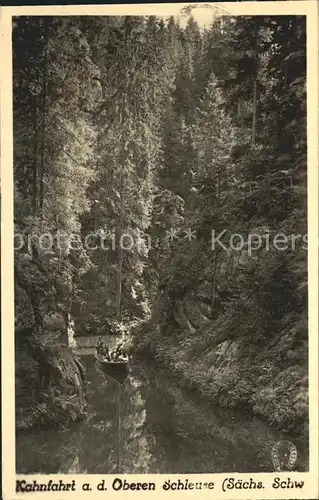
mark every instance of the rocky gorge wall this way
{"type": "Point", "coordinates": [215, 341]}
{"type": "Point", "coordinates": [49, 379]}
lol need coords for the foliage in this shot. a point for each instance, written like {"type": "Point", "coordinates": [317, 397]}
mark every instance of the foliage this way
{"type": "Point", "coordinates": [136, 126]}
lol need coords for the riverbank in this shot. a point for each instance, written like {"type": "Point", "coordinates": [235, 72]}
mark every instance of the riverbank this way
{"type": "Point", "coordinates": [264, 380]}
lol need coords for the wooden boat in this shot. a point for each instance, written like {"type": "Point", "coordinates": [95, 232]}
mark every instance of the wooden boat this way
{"type": "Point", "coordinates": [117, 370]}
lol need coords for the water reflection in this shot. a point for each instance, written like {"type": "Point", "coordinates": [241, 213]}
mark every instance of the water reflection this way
{"type": "Point", "coordinates": [149, 425]}
{"type": "Point", "coordinates": [194, 437]}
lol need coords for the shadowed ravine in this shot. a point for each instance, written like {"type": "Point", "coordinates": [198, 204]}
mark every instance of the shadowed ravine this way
{"type": "Point", "coordinates": [160, 194]}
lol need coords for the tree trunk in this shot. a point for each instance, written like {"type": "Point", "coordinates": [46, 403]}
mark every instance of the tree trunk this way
{"type": "Point", "coordinates": [218, 184]}
{"type": "Point", "coordinates": [44, 87]}
{"type": "Point", "coordinates": [119, 423]}
{"type": "Point", "coordinates": [253, 132]}
{"type": "Point", "coordinates": [214, 280]}
{"type": "Point", "coordinates": [120, 249]}
{"type": "Point", "coordinates": [255, 76]}
{"type": "Point", "coordinates": [121, 221]}
{"type": "Point", "coordinates": [238, 109]}
{"type": "Point", "coordinates": [35, 157]}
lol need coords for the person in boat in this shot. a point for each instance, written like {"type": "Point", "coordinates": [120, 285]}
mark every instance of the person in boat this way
{"type": "Point", "coordinates": [114, 355]}
{"type": "Point", "coordinates": [120, 354]}
{"type": "Point", "coordinates": [99, 346]}
{"type": "Point", "coordinates": [118, 351]}
{"type": "Point", "coordinates": [105, 352]}
{"type": "Point", "coordinates": [102, 349]}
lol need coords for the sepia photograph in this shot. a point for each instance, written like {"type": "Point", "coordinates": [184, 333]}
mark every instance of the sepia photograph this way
{"type": "Point", "coordinates": [160, 179]}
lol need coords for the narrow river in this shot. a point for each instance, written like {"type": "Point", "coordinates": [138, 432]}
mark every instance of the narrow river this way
{"type": "Point", "coordinates": [149, 425]}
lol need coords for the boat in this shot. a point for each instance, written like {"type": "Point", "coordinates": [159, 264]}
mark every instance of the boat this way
{"type": "Point", "coordinates": [117, 370]}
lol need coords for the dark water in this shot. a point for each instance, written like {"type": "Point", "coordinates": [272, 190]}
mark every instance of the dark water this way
{"type": "Point", "coordinates": [151, 426]}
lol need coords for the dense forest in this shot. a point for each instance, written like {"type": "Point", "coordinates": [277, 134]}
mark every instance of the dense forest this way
{"type": "Point", "coordinates": [136, 140]}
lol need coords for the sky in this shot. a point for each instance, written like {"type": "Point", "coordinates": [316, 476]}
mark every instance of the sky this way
{"type": "Point", "coordinates": [203, 15]}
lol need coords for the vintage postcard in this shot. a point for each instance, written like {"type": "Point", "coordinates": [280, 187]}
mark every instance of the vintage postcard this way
{"type": "Point", "coordinates": [159, 178]}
